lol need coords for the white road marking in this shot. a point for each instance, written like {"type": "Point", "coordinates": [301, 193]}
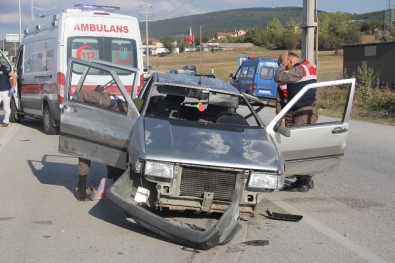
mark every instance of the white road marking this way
{"type": "Point", "coordinates": [6, 134]}
{"type": "Point", "coordinates": [327, 231]}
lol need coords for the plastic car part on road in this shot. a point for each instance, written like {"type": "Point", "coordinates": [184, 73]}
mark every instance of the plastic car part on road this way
{"type": "Point", "coordinates": [222, 232]}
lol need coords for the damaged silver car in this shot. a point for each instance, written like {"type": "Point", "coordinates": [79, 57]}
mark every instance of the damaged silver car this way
{"type": "Point", "coordinates": [190, 143]}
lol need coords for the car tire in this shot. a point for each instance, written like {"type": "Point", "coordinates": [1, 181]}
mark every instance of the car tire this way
{"type": "Point", "coordinates": [14, 117]}
{"type": "Point", "coordinates": [47, 121]}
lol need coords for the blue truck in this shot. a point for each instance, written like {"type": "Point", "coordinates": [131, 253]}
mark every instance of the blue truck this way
{"type": "Point", "coordinates": [255, 76]}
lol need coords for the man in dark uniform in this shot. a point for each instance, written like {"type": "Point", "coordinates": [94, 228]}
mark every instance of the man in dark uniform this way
{"type": "Point", "coordinates": [6, 91]}
{"type": "Point", "coordinates": [282, 100]}
{"type": "Point", "coordinates": [297, 73]}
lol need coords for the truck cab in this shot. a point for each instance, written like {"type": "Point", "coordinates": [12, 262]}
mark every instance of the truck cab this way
{"type": "Point", "coordinates": [255, 76]}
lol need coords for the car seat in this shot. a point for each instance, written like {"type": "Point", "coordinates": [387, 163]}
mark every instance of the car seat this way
{"type": "Point", "coordinates": [168, 108]}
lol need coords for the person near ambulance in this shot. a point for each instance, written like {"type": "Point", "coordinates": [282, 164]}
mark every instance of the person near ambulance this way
{"type": "Point", "coordinates": [6, 91]}
{"type": "Point", "coordinates": [297, 73]}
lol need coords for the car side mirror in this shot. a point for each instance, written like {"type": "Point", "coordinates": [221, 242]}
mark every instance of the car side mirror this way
{"type": "Point", "coordinates": [282, 129]}
{"type": "Point", "coordinates": [138, 102]}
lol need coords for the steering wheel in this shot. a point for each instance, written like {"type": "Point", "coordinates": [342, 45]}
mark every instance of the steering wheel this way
{"type": "Point", "coordinates": [122, 107]}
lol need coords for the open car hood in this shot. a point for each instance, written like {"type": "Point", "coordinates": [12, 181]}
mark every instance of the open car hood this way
{"type": "Point", "coordinates": [213, 145]}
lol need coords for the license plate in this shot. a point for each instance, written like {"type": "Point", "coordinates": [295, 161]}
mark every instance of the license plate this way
{"type": "Point", "coordinates": [264, 92]}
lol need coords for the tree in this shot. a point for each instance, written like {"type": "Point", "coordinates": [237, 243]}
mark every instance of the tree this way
{"type": "Point", "coordinates": [274, 32]}
{"type": "Point", "coordinates": [167, 43]}
{"type": "Point", "coordinates": [256, 36]}
{"type": "Point", "coordinates": [336, 29]}
{"type": "Point", "coordinates": [204, 39]}
{"type": "Point", "coordinates": [289, 40]}
{"type": "Point", "coordinates": [291, 24]}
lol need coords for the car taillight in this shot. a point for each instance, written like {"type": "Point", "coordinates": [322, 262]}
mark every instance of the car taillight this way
{"type": "Point", "coordinates": [141, 84]}
{"type": "Point", "coordinates": [253, 87]}
{"type": "Point", "coordinates": [61, 82]}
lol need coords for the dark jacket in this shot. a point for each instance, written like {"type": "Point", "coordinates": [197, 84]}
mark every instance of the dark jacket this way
{"type": "Point", "coordinates": [296, 78]}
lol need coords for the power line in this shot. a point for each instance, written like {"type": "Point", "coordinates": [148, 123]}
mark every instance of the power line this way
{"type": "Point", "coordinates": [176, 6]}
{"type": "Point", "coordinates": [173, 6]}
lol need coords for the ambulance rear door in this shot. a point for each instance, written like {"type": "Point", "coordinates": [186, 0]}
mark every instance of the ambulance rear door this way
{"type": "Point", "coordinates": [111, 37]}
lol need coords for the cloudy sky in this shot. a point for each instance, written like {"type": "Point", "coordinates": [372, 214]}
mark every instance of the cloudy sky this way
{"type": "Point", "coordinates": [9, 12]}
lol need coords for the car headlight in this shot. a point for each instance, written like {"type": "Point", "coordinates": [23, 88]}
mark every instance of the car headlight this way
{"type": "Point", "coordinates": [263, 181]}
{"type": "Point", "coordinates": [158, 169]}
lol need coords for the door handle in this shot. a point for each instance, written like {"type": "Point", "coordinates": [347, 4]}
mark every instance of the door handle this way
{"type": "Point", "coordinates": [338, 130]}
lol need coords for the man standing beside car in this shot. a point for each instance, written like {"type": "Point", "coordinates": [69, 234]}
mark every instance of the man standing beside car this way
{"type": "Point", "coordinates": [6, 91]}
{"type": "Point", "coordinates": [102, 99]}
{"type": "Point", "coordinates": [297, 73]}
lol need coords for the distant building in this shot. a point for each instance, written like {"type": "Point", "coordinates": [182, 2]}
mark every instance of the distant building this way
{"type": "Point", "coordinates": [224, 46]}
{"type": "Point", "coordinates": [235, 33]}
{"type": "Point", "coordinates": [379, 56]}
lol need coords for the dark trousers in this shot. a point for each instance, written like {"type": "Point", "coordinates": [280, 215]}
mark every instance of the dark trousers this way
{"type": "Point", "coordinates": [302, 116]}
{"type": "Point", "coordinates": [84, 166]}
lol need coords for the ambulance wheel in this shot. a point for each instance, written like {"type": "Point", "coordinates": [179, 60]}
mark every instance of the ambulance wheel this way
{"type": "Point", "coordinates": [14, 116]}
{"type": "Point", "coordinates": [47, 120]}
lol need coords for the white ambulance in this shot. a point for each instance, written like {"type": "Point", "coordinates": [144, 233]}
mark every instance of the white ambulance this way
{"type": "Point", "coordinates": [88, 32]}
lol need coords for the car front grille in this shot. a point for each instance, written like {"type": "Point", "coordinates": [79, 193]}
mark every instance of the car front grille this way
{"type": "Point", "coordinates": [196, 181]}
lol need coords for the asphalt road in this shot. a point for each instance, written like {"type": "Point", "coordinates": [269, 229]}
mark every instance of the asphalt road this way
{"type": "Point", "coordinates": [348, 217]}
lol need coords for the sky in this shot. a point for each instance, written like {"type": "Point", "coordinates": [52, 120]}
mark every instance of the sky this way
{"type": "Point", "coordinates": [158, 10]}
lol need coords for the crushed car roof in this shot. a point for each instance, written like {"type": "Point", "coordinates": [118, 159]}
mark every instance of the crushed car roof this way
{"type": "Point", "coordinates": [197, 82]}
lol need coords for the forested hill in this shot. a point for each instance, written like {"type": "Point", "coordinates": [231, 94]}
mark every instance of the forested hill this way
{"type": "Point", "coordinates": [229, 20]}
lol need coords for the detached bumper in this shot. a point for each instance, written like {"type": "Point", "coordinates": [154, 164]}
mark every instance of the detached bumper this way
{"type": "Point", "coordinates": [119, 195]}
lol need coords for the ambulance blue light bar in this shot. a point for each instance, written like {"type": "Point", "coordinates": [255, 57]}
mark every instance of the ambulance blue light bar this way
{"type": "Point", "coordinates": [96, 7]}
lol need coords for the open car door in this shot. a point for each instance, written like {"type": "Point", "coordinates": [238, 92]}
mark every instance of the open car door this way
{"type": "Point", "coordinates": [97, 120]}
{"type": "Point", "coordinates": [314, 148]}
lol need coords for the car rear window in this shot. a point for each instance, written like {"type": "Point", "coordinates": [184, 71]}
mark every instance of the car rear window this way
{"type": "Point", "coordinates": [267, 73]}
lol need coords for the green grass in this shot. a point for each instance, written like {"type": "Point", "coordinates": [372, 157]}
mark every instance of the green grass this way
{"type": "Point", "coordinates": [225, 62]}
{"type": "Point", "coordinates": [331, 101]}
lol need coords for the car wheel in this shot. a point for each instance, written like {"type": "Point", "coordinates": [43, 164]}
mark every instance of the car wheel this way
{"type": "Point", "coordinates": [14, 113]}
{"type": "Point", "coordinates": [47, 121]}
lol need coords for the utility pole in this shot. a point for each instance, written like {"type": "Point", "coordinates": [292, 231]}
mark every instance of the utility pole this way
{"type": "Point", "coordinates": [389, 16]}
{"type": "Point", "coordinates": [20, 23]}
{"type": "Point", "coordinates": [146, 13]}
{"type": "Point", "coordinates": [309, 26]}
{"type": "Point", "coordinates": [201, 46]}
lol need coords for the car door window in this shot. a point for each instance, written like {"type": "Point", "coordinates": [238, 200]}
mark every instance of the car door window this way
{"type": "Point", "coordinates": [96, 124]}
{"type": "Point", "coordinates": [251, 72]}
{"type": "Point", "coordinates": [105, 96]}
{"type": "Point", "coordinates": [313, 148]}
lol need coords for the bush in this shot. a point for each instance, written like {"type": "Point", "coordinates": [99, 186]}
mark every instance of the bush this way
{"type": "Point", "coordinates": [366, 76]}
